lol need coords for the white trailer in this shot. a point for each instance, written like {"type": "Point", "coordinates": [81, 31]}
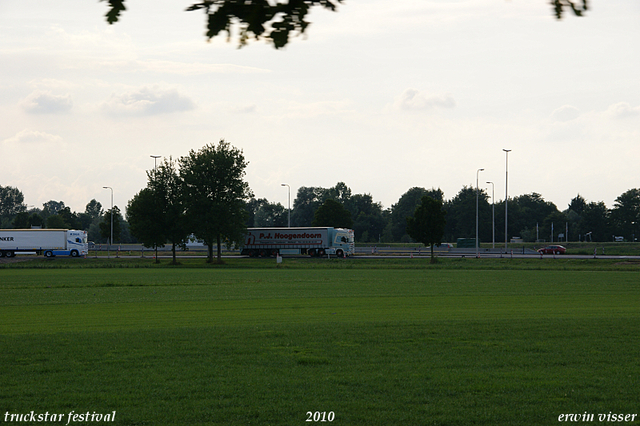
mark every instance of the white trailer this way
{"type": "Point", "coordinates": [50, 242]}
{"type": "Point", "coordinates": [316, 241]}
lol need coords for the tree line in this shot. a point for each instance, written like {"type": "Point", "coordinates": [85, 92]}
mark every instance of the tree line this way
{"type": "Point", "coordinates": [14, 213]}
{"type": "Point", "coordinates": [204, 194]}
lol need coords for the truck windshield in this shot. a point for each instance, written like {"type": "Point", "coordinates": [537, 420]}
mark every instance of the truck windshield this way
{"type": "Point", "coordinates": [342, 238]}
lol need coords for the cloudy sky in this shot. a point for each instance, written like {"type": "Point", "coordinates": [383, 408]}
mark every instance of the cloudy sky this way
{"type": "Point", "coordinates": [383, 95]}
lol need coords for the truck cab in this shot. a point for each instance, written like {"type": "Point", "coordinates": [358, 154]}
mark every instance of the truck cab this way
{"type": "Point", "coordinates": [343, 243]}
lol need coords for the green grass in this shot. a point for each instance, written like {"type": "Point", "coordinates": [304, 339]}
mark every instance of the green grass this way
{"type": "Point", "coordinates": [377, 343]}
{"type": "Point", "coordinates": [535, 263]}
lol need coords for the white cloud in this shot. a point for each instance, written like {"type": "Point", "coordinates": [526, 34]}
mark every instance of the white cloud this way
{"type": "Point", "coordinates": [194, 68]}
{"type": "Point", "coordinates": [245, 109]}
{"type": "Point", "coordinates": [31, 137]}
{"type": "Point", "coordinates": [46, 103]}
{"type": "Point", "coordinates": [413, 100]}
{"type": "Point", "coordinates": [565, 113]}
{"type": "Point", "coordinates": [295, 109]}
{"type": "Point", "coordinates": [623, 110]}
{"type": "Point", "coordinates": [148, 101]}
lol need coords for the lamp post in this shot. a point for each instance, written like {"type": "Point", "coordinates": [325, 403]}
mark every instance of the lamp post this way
{"type": "Point", "coordinates": [289, 209]}
{"type": "Point", "coordinates": [155, 157]}
{"type": "Point", "coordinates": [493, 215]}
{"type": "Point", "coordinates": [506, 196]}
{"type": "Point", "coordinates": [477, 174]}
{"type": "Point", "coordinates": [111, 214]}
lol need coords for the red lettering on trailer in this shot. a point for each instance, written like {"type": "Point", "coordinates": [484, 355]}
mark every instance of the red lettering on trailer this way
{"type": "Point", "coordinates": [280, 236]}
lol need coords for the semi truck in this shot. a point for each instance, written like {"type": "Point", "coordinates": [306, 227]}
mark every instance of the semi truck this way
{"type": "Point", "coordinates": [315, 241]}
{"type": "Point", "coordinates": [50, 242]}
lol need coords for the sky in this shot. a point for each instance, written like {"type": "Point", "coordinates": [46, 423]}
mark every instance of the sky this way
{"type": "Point", "coordinates": [383, 95]}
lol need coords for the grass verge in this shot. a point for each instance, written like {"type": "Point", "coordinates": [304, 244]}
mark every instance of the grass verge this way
{"type": "Point", "coordinates": [374, 343]}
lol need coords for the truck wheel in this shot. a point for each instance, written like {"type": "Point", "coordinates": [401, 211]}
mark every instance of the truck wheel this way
{"type": "Point", "coordinates": [1, 254]}
{"type": "Point", "coordinates": [74, 253]}
{"type": "Point", "coordinates": [321, 252]}
{"type": "Point", "coordinates": [48, 253]}
{"type": "Point", "coordinates": [340, 253]}
{"type": "Point", "coordinates": [9, 254]}
{"type": "Point", "coordinates": [312, 252]}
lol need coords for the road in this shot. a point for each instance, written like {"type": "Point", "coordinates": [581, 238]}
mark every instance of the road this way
{"type": "Point", "coordinates": [134, 251]}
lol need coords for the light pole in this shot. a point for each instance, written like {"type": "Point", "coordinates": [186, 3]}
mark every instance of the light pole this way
{"type": "Point", "coordinates": [111, 214]}
{"type": "Point", "coordinates": [493, 214]}
{"type": "Point", "coordinates": [155, 157]}
{"type": "Point", "coordinates": [506, 196]}
{"type": "Point", "coordinates": [289, 209]}
{"type": "Point", "coordinates": [477, 174]}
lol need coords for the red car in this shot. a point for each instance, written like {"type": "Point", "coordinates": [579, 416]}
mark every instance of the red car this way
{"type": "Point", "coordinates": [552, 250]}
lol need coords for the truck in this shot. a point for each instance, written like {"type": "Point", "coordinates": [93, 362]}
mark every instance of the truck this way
{"type": "Point", "coordinates": [315, 241]}
{"type": "Point", "coordinates": [50, 242]}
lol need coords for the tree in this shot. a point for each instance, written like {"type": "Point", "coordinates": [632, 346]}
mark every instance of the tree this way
{"type": "Point", "coordinates": [559, 7]}
{"type": "Point", "coordinates": [52, 207]}
{"type": "Point", "coordinates": [276, 21]}
{"type": "Point", "coordinates": [93, 209]}
{"type": "Point", "coordinates": [105, 224]}
{"type": "Point", "coordinates": [332, 213]}
{"type": "Point", "coordinates": [305, 204]}
{"type": "Point", "coordinates": [251, 208]}
{"type": "Point", "coordinates": [525, 212]}
{"type": "Point", "coordinates": [578, 204]}
{"type": "Point", "coordinates": [166, 185]}
{"type": "Point", "coordinates": [145, 220]}
{"type": "Point", "coordinates": [341, 193]}
{"type": "Point", "coordinates": [594, 222]}
{"type": "Point", "coordinates": [56, 222]}
{"type": "Point", "coordinates": [554, 224]}
{"type": "Point", "coordinates": [309, 199]}
{"type": "Point", "coordinates": [406, 206]}
{"type": "Point", "coordinates": [64, 219]}
{"type": "Point", "coordinates": [11, 203]}
{"type": "Point", "coordinates": [625, 214]}
{"type": "Point", "coordinates": [270, 214]}
{"type": "Point", "coordinates": [35, 220]}
{"type": "Point", "coordinates": [214, 193]}
{"type": "Point", "coordinates": [461, 215]}
{"type": "Point", "coordinates": [369, 218]}
{"type": "Point", "coordinates": [91, 215]}
{"type": "Point", "coordinates": [427, 223]}
{"type": "Point", "coordinates": [21, 220]}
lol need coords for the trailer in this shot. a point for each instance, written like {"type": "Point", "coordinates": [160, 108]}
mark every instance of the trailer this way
{"type": "Point", "coordinates": [50, 242]}
{"type": "Point", "coordinates": [316, 241]}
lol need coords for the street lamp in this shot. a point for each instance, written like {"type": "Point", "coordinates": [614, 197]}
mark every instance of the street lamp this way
{"type": "Point", "coordinates": [477, 174]}
{"type": "Point", "coordinates": [506, 196]}
{"type": "Point", "coordinates": [110, 239]}
{"type": "Point", "coordinates": [493, 214]}
{"type": "Point", "coordinates": [155, 157]}
{"type": "Point", "coordinates": [289, 209]}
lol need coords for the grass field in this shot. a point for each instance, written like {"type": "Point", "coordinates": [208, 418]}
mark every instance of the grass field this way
{"type": "Point", "coordinates": [491, 342]}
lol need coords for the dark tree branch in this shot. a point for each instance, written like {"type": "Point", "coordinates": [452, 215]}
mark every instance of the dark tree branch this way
{"type": "Point", "coordinates": [560, 5]}
{"type": "Point", "coordinates": [276, 22]}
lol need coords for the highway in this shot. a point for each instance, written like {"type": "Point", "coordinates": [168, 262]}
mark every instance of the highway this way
{"type": "Point", "coordinates": [134, 251]}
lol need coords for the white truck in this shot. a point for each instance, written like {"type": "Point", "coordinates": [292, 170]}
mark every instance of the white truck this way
{"type": "Point", "coordinates": [316, 241]}
{"type": "Point", "coordinates": [50, 242]}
